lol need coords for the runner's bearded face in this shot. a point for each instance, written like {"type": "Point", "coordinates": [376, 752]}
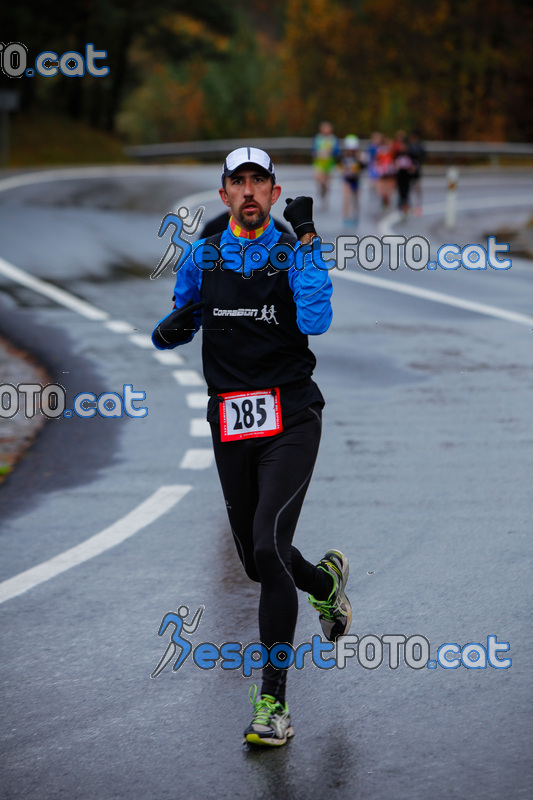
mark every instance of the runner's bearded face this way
{"type": "Point", "coordinates": [249, 194]}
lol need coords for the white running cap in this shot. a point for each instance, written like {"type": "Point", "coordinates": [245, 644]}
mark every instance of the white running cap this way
{"type": "Point", "coordinates": [247, 155]}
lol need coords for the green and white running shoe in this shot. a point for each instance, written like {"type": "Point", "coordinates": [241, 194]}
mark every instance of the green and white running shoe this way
{"type": "Point", "coordinates": [336, 611]}
{"type": "Point", "coordinates": [271, 722]}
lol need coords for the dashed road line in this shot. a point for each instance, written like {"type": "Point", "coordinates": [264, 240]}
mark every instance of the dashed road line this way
{"type": "Point", "coordinates": [168, 357]}
{"type": "Point", "coordinates": [142, 340]}
{"type": "Point", "coordinates": [198, 426]}
{"type": "Point", "coordinates": [197, 400]}
{"type": "Point", "coordinates": [119, 326]}
{"type": "Point", "coordinates": [165, 497]}
{"type": "Point", "coordinates": [188, 377]}
{"type": "Point", "coordinates": [197, 459]}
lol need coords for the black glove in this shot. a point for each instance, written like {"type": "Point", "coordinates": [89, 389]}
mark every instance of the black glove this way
{"type": "Point", "coordinates": [299, 213]}
{"type": "Point", "coordinates": [178, 326]}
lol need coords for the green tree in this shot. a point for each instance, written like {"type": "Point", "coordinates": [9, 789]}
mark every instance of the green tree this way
{"type": "Point", "coordinates": [452, 68]}
{"type": "Point", "coordinates": [112, 25]}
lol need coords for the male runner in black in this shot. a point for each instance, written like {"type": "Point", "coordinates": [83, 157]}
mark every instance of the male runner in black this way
{"type": "Point", "coordinates": [264, 408]}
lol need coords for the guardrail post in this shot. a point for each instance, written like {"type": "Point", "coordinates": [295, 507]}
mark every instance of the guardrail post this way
{"type": "Point", "coordinates": [9, 101]}
{"type": "Point", "coordinates": [452, 179]}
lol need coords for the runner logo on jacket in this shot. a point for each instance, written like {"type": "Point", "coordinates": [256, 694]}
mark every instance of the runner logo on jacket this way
{"type": "Point", "coordinates": [267, 314]}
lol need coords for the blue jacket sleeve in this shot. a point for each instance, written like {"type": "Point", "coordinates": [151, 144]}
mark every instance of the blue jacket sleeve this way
{"type": "Point", "coordinates": [187, 287]}
{"type": "Point", "coordinates": [312, 291]}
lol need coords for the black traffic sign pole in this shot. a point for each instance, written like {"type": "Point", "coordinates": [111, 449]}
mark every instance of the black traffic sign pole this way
{"type": "Point", "coordinates": [9, 101]}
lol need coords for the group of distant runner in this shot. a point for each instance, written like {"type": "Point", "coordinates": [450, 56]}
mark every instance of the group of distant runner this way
{"type": "Point", "coordinates": [393, 165]}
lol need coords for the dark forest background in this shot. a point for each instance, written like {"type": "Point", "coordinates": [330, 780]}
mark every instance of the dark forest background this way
{"type": "Point", "coordinates": [452, 69]}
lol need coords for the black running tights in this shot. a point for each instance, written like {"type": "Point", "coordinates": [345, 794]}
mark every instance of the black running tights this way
{"type": "Point", "coordinates": [264, 481]}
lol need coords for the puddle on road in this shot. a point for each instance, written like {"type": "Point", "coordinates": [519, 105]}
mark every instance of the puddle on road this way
{"type": "Point", "coordinates": [22, 297]}
{"type": "Point", "coordinates": [123, 270]}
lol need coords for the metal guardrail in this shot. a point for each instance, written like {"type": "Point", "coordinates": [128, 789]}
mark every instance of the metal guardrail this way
{"type": "Point", "coordinates": [221, 147]}
{"type": "Point", "coordinates": [480, 149]}
{"type": "Point", "coordinates": [301, 146]}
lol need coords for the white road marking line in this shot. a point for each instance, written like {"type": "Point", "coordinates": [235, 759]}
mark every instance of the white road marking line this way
{"type": "Point", "coordinates": [141, 340]}
{"type": "Point", "coordinates": [197, 400]}
{"type": "Point", "coordinates": [82, 173]}
{"type": "Point", "coordinates": [144, 514]}
{"type": "Point", "coordinates": [188, 377]}
{"type": "Point", "coordinates": [197, 459]}
{"type": "Point", "coordinates": [168, 357]}
{"type": "Point", "coordinates": [436, 297]}
{"type": "Point", "coordinates": [470, 204]}
{"type": "Point", "coordinates": [199, 427]}
{"type": "Point", "coordinates": [119, 326]}
{"type": "Point", "coordinates": [72, 302]}
{"type": "Point", "coordinates": [60, 296]}
{"type": "Point", "coordinates": [53, 292]}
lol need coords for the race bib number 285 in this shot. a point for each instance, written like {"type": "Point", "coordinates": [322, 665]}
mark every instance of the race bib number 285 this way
{"type": "Point", "coordinates": [248, 414]}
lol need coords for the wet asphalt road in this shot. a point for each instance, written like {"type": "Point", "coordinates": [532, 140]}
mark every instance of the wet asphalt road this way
{"type": "Point", "coordinates": [423, 479]}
